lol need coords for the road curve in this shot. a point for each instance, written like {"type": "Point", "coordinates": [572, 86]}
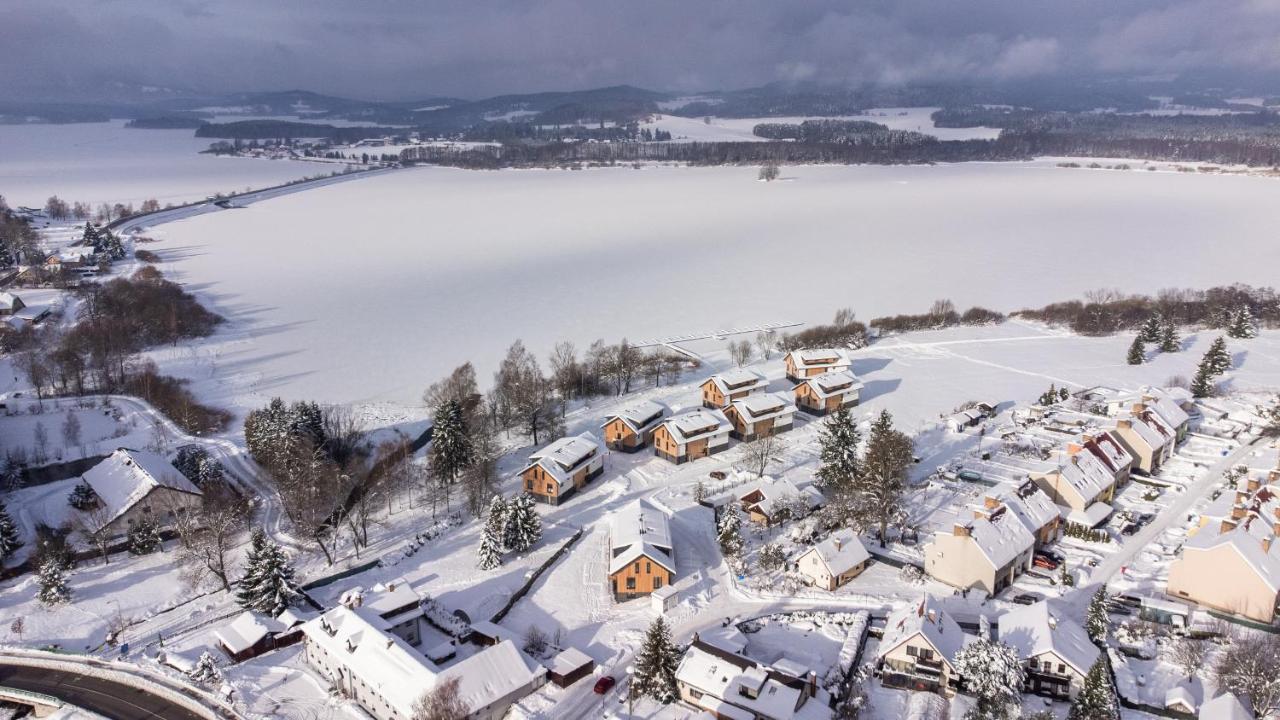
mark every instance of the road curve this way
{"type": "Point", "coordinates": [107, 698]}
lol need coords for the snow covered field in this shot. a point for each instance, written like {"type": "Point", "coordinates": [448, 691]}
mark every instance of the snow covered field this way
{"type": "Point", "coordinates": [740, 129]}
{"type": "Point", "coordinates": [368, 291]}
{"type": "Point", "coordinates": [107, 162]}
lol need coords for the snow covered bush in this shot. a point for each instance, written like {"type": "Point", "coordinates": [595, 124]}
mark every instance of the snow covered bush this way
{"type": "Point", "coordinates": [52, 580]}
{"type": "Point", "coordinates": [143, 537]}
{"type": "Point", "coordinates": [206, 670]}
{"type": "Point", "coordinates": [994, 674]}
{"type": "Point", "coordinates": [83, 497]}
{"type": "Point", "coordinates": [911, 574]}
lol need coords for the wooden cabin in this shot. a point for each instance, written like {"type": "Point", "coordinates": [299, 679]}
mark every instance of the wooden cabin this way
{"type": "Point", "coordinates": [562, 468]}
{"type": "Point", "coordinates": [631, 428]}
{"type": "Point", "coordinates": [723, 388]}
{"type": "Point", "coordinates": [828, 392]}
{"type": "Point", "coordinates": [809, 363]}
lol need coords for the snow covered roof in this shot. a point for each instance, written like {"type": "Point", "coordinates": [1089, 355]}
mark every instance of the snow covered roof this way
{"type": "Point", "coordinates": [568, 660]}
{"type": "Point", "coordinates": [563, 457]}
{"type": "Point", "coordinates": [837, 382]}
{"type": "Point", "coordinates": [841, 551]}
{"type": "Point", "coordinates": [385, 599]}
{"type": "Point", "coordinates": [1036, 629]}
{"type": "Point", "coordinates": [8, 300]}
{"type": "Point", "coordinates": [1031, 505]}
{"type": "Point", "coordinates": [1091, 516]}
{"type": "Point", "coordinates": [1000, 538]}
{"type": "Point", "coordinates": [1224, 707]}
{"type": "Point", "coordinates": [640, 416]}
{"type": "Point", "coordinates": [819, 357]}
{"type": "Point", "coordinates": [696, 424]}
{"type": "Point", "coordinates": [640, 529]}
{"type": "Point", "coordinates": [1249, 543]}
{"type": "Point", "coordinates": [1108, 449]}
{"type": "Point", "coordinates": [248, 628]}
{"type": "Point", "coordinates": [927, 619]}
{"type": "Point", "coordinates": [763, 406]}
{"type": "Point", "coordinates": [720, 674]}
{"type": "Point", "coordinates": [1087, 475]}
{"type": "Point", "coordinates": [738, 380]}
{"type": "Point", "coordinates": [1166, 408]}
{"type": "Point", "coordinates": [768, 493]}
{"type": "Point", "coordinates": [126, 476]}
{"type": "Point", "coordinates": [1144, 431]}
{"type": "Point", "coordinates": [492, 674]}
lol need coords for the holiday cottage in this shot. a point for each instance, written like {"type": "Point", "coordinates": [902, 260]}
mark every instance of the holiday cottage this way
{"type": "Point", "coordinates": [760, 415]}
{"type": "Point", "coordinates": [562, 468]}
{"type": "Point", "coordinates": [631, 428]}
{"type": "Point", "coordinates": [828, 392]}
{"type": "Point", "coordinates": [132, 485]}
{"type": "Point", "coordinates": [803, 364]}
{"type": "Point", "coordinates": [919, 648]}
{"type": "Point", "coordinates": [833, 562]}
{"type": "Point", "coordinates": [1055, 651]}
{"type": "Point", "coordinates": [251, 634]}
{"type": "Point", "coordinates": [641, 553]}
{"type": "Point", "coordinates": [692, 435]}
{"type": "Point", "coordinates": [721, 389]}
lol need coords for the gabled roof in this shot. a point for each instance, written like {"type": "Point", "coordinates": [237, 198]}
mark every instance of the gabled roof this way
{"type": "Point", "coordinates": [1147, 434]}
{"type": "Point", "coordinates": [640, 416]}
{"type": "Point", "coordinates": [737, 380]}
{"type": "Point", "coordinates": [763, 406]}
{"type": "Point", "coordinates": [1246, 542]}
{"type": "Point", "coordinates": [564, 456]}
{"type": "Point", "coordinates": [1108, 449]}
{"type": "Point", "coordinates": [696, 424]}
{"type": "Point", "coordinates": [8, 299]}
{"type": "Point", "coordinates": [1086, 474]}
{"type": "Point", "coordinates": [819, 357]}
{"type": "Point", "coordinates": [776, 491]}
{"type": "Point", "coordinates": [841, 552]}
{"type": "Point", "coordinates": [926, 618]}
{"type": "Point", "coordinates": [833, 383]}
{"type": "Point", "coordinates": [1000, 538]}
{"type": "Point", "coordinates": [126, 476]}
{"type": "Point", "coordinates": [1031, 505]}
{"type": "Point", "coordinates": [1166, 408]}
{"type": "Point", "coordinates": [1224, 707]}
{"type": "Point", "coordinates": [640, 529]}
{"type": "Point", "coordinates": [1036, 629]}
{"type": "Point", "coordinates": [248, 628]}
{"type": "Point", "coordinates": [719, 674]}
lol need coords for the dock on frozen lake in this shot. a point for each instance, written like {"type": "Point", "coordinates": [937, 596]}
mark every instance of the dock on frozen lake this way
{"type": "Point", "coordinates": [672, 342]}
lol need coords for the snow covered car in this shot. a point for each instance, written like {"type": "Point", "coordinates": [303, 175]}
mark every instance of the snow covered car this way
{"type": "Point", "coordinates": [604, 685]}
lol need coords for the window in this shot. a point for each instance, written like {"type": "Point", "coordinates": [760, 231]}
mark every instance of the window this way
{"type": "Point", "coordinates": [551, 489]}
{"type": "Point", "coordinates": [648, 567]}
{"type": "Point", "coordinates": [911, 651]}
{"type": "Point", "coordinates": [529, 484]}
{"type": "Point", "coordinates": [637, 567]}
{"type": "Point", "coordinates": [657, 583]}
{"type": "Point", "coordinates": [631, 583]}
{"type": "Point", "coordinates": [1062, 669]}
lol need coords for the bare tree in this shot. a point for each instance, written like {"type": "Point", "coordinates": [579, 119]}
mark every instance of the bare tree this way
{"type": "Point", "coordinates": [480, 478]}
{"type": "Point", "coordinates": [461, 385]}
{"type": "Point", "coordinates": [206, 537]}
{"type": "Point", "coordinates": [766, 341]}
{"type": "Point", "coordinates": [313, 493]}
{"type": "Point", "coordinates": [91, 524]}
{"type": "Point", "coordinates": [344, 433]}
{"type": "Point", "coordinates": [629, 360]}
{"type": "Point", "coordinates": [566, 373]}
{"type": "Point", "coordinates": [1189, 655]}
{"type": "Point", "coordinates": [762, 452]}
{"type": "Point", "coordinates": [740, 352]}
{"type": "Point", "coordinates": [1250, 668]}
{"type": "Point", "coordinates": [443, 702]}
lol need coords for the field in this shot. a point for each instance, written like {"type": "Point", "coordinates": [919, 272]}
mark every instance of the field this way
{"type": "Point", "coordinates": [368, 291]}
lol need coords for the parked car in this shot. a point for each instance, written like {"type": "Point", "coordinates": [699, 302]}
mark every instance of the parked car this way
{"type": "Point", "coordinates": [1027, 599]}
{"type": "Point", "coordinates": [1130, 529]}
{"type": "Point", "coordinates": [1051, 554]}
{"type": "Point", "coordinates": [1047, 563]}
{"type": "Point", "coordinates": [605, 684]}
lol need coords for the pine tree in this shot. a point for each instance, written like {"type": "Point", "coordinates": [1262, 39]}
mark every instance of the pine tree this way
{"type": "Point", "coordinates": [1137, 352]}
{"type": "Point", "coordinates": [206, 670]}
{"type": "Point", "coordinates": [451, 450]}
{"type": "Point", "coordinates": [1097, 699]}
{"type": "Point", "coordinates": [497, 520]}
{"type": "Point", "coordinates": [489, 554]}
{"type": "Point", "coordinates": [523, 527]}
{"type": "Point", "coordinates": [9, 540]}
{"type": "Point", "coordinates": [994, 674]}
{"type": "Point", "coordinates": [838, 457]}
{"type": "Point", "coordinates": [1050, 396]}
{"type": "Point", "coordinates": [1150, 330]}
{"type": "Point", "coordinates": [656, 665]}
{"type": "Point", "coordinates": [143, 537]}
{"type": "Point", "coordinates": [1242, 324]}
{"type": "Point", "coordinates": [247, 588]}
{"type": "Point", "coordinates": [1169, 339]}
{"type": "Point", "coordinates": [729, 532]}
{"type": "Point", "coordinates": [1202, 385]}
{"type": "Point", "coordinates": [1218, 356]}
{"type": "Point", "coordinates": [82, 497]}
{"type": "Point", "coordinates": [1096, 620]}
{"type": "Point", "coordinates": [52, 580]}
{"type": "Point", "coordinates": [268, 584]}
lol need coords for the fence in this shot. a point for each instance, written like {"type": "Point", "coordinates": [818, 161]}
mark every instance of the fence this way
{"type": "Point", "coordinates": [533, 578]}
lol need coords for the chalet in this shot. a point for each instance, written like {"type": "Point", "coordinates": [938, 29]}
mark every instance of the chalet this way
{"type": "Point", "coordinates": [987, 552]}
{"type": "Point", "coordinates": [1148, 438]}
{"type": "Point", "coordinates": [919, 648]}
{"type": "Point", "coordinates": [730, 685]}
{"type": "Point", "coordinates": [631, 428]}
{"type": "Point", "coordinates": [1232, 561]}
{"type": "Point", "coordinates": [132, 485]}
{"type": "Point", "coordinates": [10, 303]}
{"type": "Point", "coordinates": [352, 649]}
{"type": "Point", "coordinates": [721, 389]}
{"type": "Point", "coordinates": [692, 435]}
{"type": "Point", "coordinates": [1082, 486]}
{"type": "Point", "coordinates": [770, 500]}
{"type": "Point", "coordinates": [803, 364]}
{"type": "Point", "coordinates": [828, 392]}
{"type": "Point", "coordinates": [251, 634]}
{"type": "Point", "coordinates": [394, 601]}
{"type": "Point", "coordinates": [759, 415]}
{"type": "Point", "coordinates": [641, 554]}
{"type": "Point", "coordinates": [562, 468]}
{"type": "Point", "coordinates": [1056, 652]}
{"type": "Point", "coordinates": [835, 561]}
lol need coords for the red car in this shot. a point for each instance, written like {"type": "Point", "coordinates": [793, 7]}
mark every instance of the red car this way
{"type": "Point", "coordinates": [1041, 561]}
{"type": "Point", "coordinates": [605, 684]}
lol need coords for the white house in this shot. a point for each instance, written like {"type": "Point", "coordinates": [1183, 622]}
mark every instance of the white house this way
{"type": "Point", "coordinates": [1225, 707]}
{"type": "Point", "coordinates": [919, 648]}
{"type": "Point", "coordinates": [985, 553]}
{"type": "Point", "coordinates": [729, 685]}
{"type": "Point", "coordinates": [10, 303]}
{"type": "Point", "coordinates": [1056, 651]}
{"type": "Point", "coordinates": [562, 468]}
{"type": "Point", "coordinates": [839, 558]}
{"type": "Point", "coordinates": [394, 601]}
{"type": "Point", "coordinates": [132, 485]}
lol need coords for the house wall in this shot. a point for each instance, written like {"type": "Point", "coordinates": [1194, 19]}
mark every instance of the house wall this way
{"type": "Point", "coordinates": [1221, 579]}
{"type": "Point", "coordinates": [644, 571]}
{"type": "Point", "coordinates": [711, 396]}
{"type": "Point", "coordinates": [540, 484]}
{"type": "Point", "coordinates": [161, 505]}
{"type": "Point", "coordinates": [1145, 457]}
{"type": "Point", "coordinates": [957, 561]}
{"type": "Point", "coordinates": [619, 436]}
{"type": "Point", "coordinates": [899, 658]}
{"type": "Point", "coordinates": [1059, 490]}
{"type": "Point", "coordinates": [337, 673]}
{"type": "Point", "coordinates": [815, 570]}
{"type": "Point", "coordinates": [1059, 669]}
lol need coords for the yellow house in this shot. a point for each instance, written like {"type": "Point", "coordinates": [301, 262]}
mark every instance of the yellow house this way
{"type": "Point", "coordinates": [835, 561]}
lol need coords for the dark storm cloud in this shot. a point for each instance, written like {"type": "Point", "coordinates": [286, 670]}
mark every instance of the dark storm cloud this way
{"type": "Point", "coordinates": [398, 49]}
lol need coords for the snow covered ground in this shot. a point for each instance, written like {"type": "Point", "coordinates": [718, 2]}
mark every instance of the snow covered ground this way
{"type": "Point", "coordinates": [449, 265]}
{"type": "Point", "coordinates": [685, 129]}
{"type": "Point", "coordinates": [107, 162]}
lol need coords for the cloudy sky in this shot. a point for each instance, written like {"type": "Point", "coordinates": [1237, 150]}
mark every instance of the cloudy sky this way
{"type": "Point", "coordinates": [398, 49]}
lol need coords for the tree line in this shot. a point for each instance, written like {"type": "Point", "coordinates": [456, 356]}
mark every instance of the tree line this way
{"type": "Point", "coordinates": [1107, 311]}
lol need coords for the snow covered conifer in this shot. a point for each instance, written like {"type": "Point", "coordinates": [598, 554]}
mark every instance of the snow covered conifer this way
{"type": "Point", "coordinates": [523, 527]}
{"type": "Point", "coordinates": [1169, 339]}
{"type": "Point", "coordinates": [52, 580]}
{"type": "Point", "coordinates": [1218, 356]}
{"type": "Point", "coordinates": [246, 590]}
{"type": "Point", "coordinates": [1202, 385]}
{"type": "Point", "coordinates": [1137, 352]}
{"type": "Point", "coordinates": [9, 540]}
{"type": "Point", "coordinates": [268, 584]}
{"type": "Point", "coordinates": [1097, 699]}
{"type": "Point", "coordinates": [206, 670]}
{"type": "Point", "coordinates": [1096, 620]}
{"type": "Point", "coordinates": [994, 674]}
{"type": "Point", "coordinates": [451, 450]}
{"type": "Point", "coordinates": [1050, 396]}
{"type": "Point", "coordinates": [729, 532]}
{"type": "Point", "coordinates": [838, 456]}
{"type": "Point", "coordinates": [489, 554]}
{"type": "Point", "coordinates": [1149, 332]}
{"type": "Point", "coordinates": [1242, 324]}
{"type": "Point", "coordinates": [82, 497]}
{"type": "Point", "coordinates": [143, 537]}
{"type": "Point", "coordinates": [656, 664]}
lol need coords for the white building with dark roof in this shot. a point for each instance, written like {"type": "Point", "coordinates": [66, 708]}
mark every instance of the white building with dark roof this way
{"type": "Point", "coordinates": [132, 485]}
{"type": "Point", "coordinates": [1055, 650]}
{"type": "Point", "coordinates": [839, 558]}
{"type": "Point", "coordinates": [730, 685]}
{"type": "Point", "coordinates": [919, 648]}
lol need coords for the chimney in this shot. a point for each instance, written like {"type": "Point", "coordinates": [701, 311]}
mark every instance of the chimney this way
{"type": "Point", "coordinates": [838, 543]}
{"type": "Point", "coordinates": [959, 530]}
{"type": "Point", "coordinates": [990, 502]}
{"type": "Point", "coordinates": [1253, 483]}
{"type": "Point", "coordinates": [933, 615]}
{"type": "Point", "coordinates": [1124, 424]}
{"type": "Point", "coordinates": [1274, 476]}
{"type": "Point", "coordinates": [1266, 544]}
{"type": "Point", "coordinates": [1075, 447]}
{"type": "Point", "coordinates": [1053, 622]}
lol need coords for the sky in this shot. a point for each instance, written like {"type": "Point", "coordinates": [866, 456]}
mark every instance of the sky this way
{"type": "Point", "coordinates": [404, 49]}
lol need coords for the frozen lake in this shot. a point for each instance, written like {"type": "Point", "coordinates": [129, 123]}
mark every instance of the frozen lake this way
{"type": "Point", "coordinates": [107, 162]}
{"type": "Point", "coordinates": [369, 290]}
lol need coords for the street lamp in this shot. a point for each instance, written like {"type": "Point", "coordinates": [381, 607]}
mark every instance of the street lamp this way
{"type": "Point", "coordinates": [631, 691]}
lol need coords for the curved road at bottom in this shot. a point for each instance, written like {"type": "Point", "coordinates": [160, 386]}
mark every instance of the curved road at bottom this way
{"type": "Point", "coordinates": [107, 698]}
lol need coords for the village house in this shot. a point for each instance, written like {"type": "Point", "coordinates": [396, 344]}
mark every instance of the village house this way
{"type": "Point", "coordinates": [562, 468]}
{"type": "Point", "coordinates": [1103, 445]}
{"type": "Point", "coordinates": [1031, 505]}
{"type": "Point", "coordinates": [1232, 561]}
{"type": "Point", "coordinates": [132, 485]}
{"type": "Point", "coordinates": [828, 392]}
{"type": "Point", "coordinates": [354, 651]}
{"type": "Point", "coordinates": [10, 304]}
{"type": "Point", "coordinates": [769, 500]}
{"type": "Point", "coordinates": [692, 435]}
{"type": "Point", "coordinates": [1224, 707]}
{"type": "Point", "coordinates": [631, 428]}
{"type": "Point", "coordinates": [1083, 486]}
{"type": "Point", "coordinates": [251, 634]}
{"type": "Point", "coordinates": [760, 415]}
{"type": "Point", "coordinates": [1174, 405]}
{"type": "Point", "coordinates": [919, 648]}
{"type": "Point", "coordinates": [727, 684]}
{"type": "Point", "coordinates": [803, 364]}
{"type": "Point", "coordinates": [1056, 652]}
{"type": "Point", "coordinates": [721, 389]}
{"type": "Point", "coordinates": [1146, 437]}
{"type": "Point", "coordinates": [984, 553]}
{"type": "Point", "coordinates": [839, 558]}
{"type": "Point", "coordinates": [396, 602]}
{"type": "Point", "coordinates": [68, 259]}
{"type": "Point", "coordinates": [641, 555]}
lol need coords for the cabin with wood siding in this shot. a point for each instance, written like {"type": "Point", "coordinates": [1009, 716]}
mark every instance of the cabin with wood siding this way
{"type": "Point", "coordinates": [631, 428]}
{"type": "Point", "coordinates": [692, 435]}
{"type": "Point", "coordinates": [562, 468]}
{"type": "Point", "coordinates": [641, 554]}
{"type": "Point", "coordinates": [826, 393]}
{"type": "Point", "coordinates": [812, 362]}
{"type": "Point", "coordinates": [721, 389]}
